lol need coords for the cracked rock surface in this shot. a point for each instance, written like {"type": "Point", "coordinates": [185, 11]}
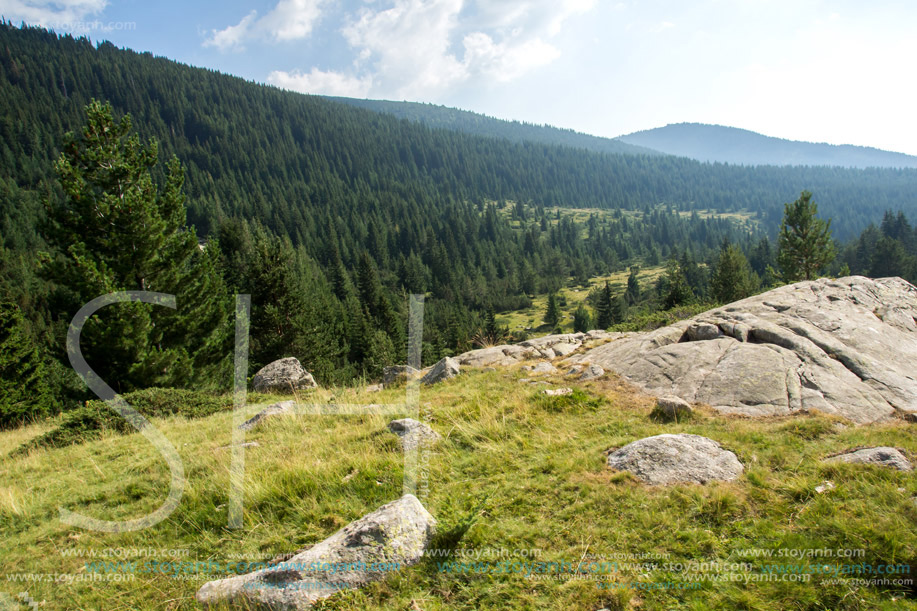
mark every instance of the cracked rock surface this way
{"type": "Point", "coordinates": [846, 347]}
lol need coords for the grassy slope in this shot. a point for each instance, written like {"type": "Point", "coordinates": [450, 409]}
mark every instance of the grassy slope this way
{"type": "Point", "coordinates": [539, 464]}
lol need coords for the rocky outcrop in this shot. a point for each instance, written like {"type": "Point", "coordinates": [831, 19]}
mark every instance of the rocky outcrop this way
{"type": "Point", "coordinates": [547, 347]}
{"type": "Point", "coordinates": [413, 433]}
{"type": "Point", "coordinates": [283, 376]}
{"type": "Point", "coordinates": [845, 347]}
{"type": "Point", "coordinates": [881, 457]}
{"type": "Point", "coordinates": [445, 369]}
{"type": "Point", "coordinates": [367, 550]}
{"type": "Point", "coordinates": [674, 459]}
{"type": "Point", "coordinates": [277, 409]}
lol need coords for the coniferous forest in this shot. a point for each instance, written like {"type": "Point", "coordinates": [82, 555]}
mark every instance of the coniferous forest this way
{"type": "Point", "coordinates": [330, 215]}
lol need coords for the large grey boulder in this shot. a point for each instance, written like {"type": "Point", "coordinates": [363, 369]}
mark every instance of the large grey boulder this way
{"type": "Point", "coordinates": [845, 347]}
{"type": "Point", "coordinates": [367, 550]}
{"type": "Point", "coordinates": [283, 376]}
{"type": "Point", "coordinates": [882, 457]}
{"type": "Point", "coordinates": [413, 433]}
{"type": "Point", "coordinates": [673, 459]}
{"type": "Point", "coordinates": [276, 409]}
{"type": "Point", "coordinates": [443, 370]}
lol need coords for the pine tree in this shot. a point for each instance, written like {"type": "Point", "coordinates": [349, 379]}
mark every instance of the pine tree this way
{"type": "Point", "coordinates": [552, 312]}
{"type": "Point", "coordinates": [618, 310]}
{"type": "Point", "coordinates": [115, 230]}
{"type": "Point", "coordinates": [632, 293]}
{"type": "Point", "coordinates": [604, 317]}
{"type": "Point", "coordinates": [677, 289]}
{"type": "Point", "coordinates": [732, 278]}
{"type": "Point", "coordinates": [582, 319]}
{"type": "Point", "coordinates": [24, 390]}
{"type": "Point", "coordinates": [805, 246]}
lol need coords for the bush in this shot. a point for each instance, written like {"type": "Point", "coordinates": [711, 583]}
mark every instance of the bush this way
{"type": "Point", "coordinates": [88, 421]}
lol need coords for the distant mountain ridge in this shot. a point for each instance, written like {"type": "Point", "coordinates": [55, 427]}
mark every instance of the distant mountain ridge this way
{"type": "Point", "coordinates": [482, 125]}
{"type": "Point", "coordinates": [741, 146]}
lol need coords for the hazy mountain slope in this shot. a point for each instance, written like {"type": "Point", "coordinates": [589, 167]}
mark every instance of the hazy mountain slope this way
{"type": "Point", "coordinates": [482, 125]}
{"type": "Point", "coordinates": [733, 145]}
{"type": "Point", "coordinates": [298, 163]}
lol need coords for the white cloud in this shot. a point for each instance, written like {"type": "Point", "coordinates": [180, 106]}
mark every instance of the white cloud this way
{"type": "Point", "coordinates": [288, 20]}
{"type": "Point", "coordinates": [232, 36]}
{"type": "Point", "coordinates": [505, 62]}
{"type": "Point", "coordinates": [321, 82]}
{"type": "Point", "coordinates": [424, 49]}
{"type": "Point", "coordinates": [292, 19]}
{"type": "Point", "coordinates": [408, 45]}
{"type": "Point", "coordinates": [62, 15]}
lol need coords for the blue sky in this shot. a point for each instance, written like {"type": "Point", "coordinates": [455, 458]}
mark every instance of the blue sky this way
{"type": "Point", "coordinates": [827, 71]}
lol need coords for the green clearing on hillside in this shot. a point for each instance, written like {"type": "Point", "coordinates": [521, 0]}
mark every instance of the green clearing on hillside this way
{"type": "Point", "coordinates": [527, 471]}
{"type": "Point", "coordinates": [744, 220]}
{"type": "Point", "coordinates": [532, 318]}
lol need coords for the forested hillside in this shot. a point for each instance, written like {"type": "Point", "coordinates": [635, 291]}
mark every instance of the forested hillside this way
{"type": "Point", "coordinates": [482, 125]}
{"type": "Point", "coordinates": [734, 145]}
{"type": "Point", "coordinates": [329, 215]}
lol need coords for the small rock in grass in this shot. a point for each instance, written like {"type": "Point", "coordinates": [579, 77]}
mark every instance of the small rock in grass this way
{"type": "Point", "coordinates": [413, 433]}
{"type": "Point", "coordinates": [881, 457]}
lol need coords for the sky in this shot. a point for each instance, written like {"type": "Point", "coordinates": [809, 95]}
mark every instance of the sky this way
{"type": "Point", "coordinates": [837, 71]}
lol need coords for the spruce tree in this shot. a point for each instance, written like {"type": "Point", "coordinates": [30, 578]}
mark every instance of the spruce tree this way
{"type": "Point", "coordinates": [582, 319]}
{"type": "Point", "coordinates": [632, 293]}
{"type": "Point", "coordinates": [677, 289]}
{"type": "Point", "coordinates": [805, 246]}
{"type": "Point", "coordinates": [552, 312]}
{"type": "Point", "coordinates": [605, 308]}
{"type": "Point", "coordinates": [25, 393]}
{"type": "Point", "coordinates": [732, 278]}
{"type": "Point", "coordinates": [618, 310]}
{"type": "Point", "coordinates": [115, 230]}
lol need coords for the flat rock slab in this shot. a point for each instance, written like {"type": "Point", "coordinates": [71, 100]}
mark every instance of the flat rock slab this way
{"type": "Point", "coordinates": [881, 457]}
{"type": "Point", "coordinates": [277, 409]}
{"type": "Point", "coordinates": [283, 376]}
{"type": "Point", "coordinates": [845, 347]}
{"type": "Point", "coordinates": [557, 392]}
{"type": "Point", "coordinates": [674, 459]}
{"type": "Point", "coordinates": [413, 433]}
{"type": "Point", "coordinates": [367, 550]}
